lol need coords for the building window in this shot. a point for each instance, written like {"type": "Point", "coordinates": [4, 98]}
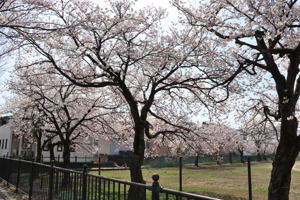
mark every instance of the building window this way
{"type": "Point", "coordinates": [46, 146]}
{"type": "Point", "coordinates": [5, 143]}
{"type": "Point", "coordinates": [59, 148]}
{"type": "Point", "coordinates": [26, 144]}
{"type": "Point", "coordinates": [3, 122]}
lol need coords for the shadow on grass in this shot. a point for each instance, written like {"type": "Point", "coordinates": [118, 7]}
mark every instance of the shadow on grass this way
{"type": "Point", "coordinates": [227, 166]}
{"type": "Point", "coordinates": [214, 166]}
{"type": "Point", "coordinates": [223, 197]}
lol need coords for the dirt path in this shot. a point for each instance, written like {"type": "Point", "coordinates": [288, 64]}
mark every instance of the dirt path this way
{"type": "Point", "coordinates": [8, 193]}
{"type": "Point", "coordinates": [4, 194]}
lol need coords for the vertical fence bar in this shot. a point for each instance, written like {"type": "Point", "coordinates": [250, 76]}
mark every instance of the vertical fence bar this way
{"type": "Point", "coordinates": [124, 191]}
{"type": "Point", "coordinates": [84, 182]}
{"type": "Point", "coordinates": [75, 187]}
{"type": "Point", "coordinates": [99, 189]}
{"type": "Point", "coordinates": [18, 174]}
{"type": "Point", "coordinates": [8, 170]}
{"type": "Point", "coordinates": [108, 190]}
{"type": "Point", "coordinates": [180, 173]}
{"type": "Point", "coordinates": [70, 185]}
{"type": "Point", "coordinates": [99, 165]}
{"type": "Point", "coordinates": [249, 178]}
{"type": "Point", "coordinates": [119, 191]}
{"type": "Point", "coordinates": [114, 184]}
{"type": "Point", "coordinates": [104, 190]}
{"type": "Point", "coordinates": [56, 181]}
{"type": "Point", "coordinates": [51, 181]}
{"type": "Point", "coordinates": [31, 181]}
{"type": "Point", "coordinates": [155, 187]}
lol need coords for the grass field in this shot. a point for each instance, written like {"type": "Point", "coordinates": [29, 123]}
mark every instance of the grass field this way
{"type": "Point", "coordinates": [228, 182]}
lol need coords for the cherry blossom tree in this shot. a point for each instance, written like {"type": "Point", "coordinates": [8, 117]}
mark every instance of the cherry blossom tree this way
{"type": "Point", "coordinates": [219, 139]}
{"type": "Point", "coordinates": [27, 122]}
{"type": "Point", "coordinates": [259, 37]}
{"type": "Point", "coordinates": [126, 51]}
{"type": "Point", "coordinates": [242, 144]}
{"type": "Point", "coordinates": [60, 109]}
{"type": "Point", "coordinates": [11, 12]}
{"type": "Point", "coordinates": [7, 7]}
{"type": "Point", "coordinates": [260, 132]}
{"type": "Point", "coordinates": [213, 139]}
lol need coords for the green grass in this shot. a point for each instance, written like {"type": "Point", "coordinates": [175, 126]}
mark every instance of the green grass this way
{"type": "Point", "coordinates": [228, 182]}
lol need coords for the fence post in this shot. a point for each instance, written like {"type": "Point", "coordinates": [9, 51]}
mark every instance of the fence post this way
{"type": "Point", "coordinates": [31, 181]}
{"type": "Point", "coordinates": [180, 173]}
{"type": "Point", "coordinates": [51, 177]}
{"type": "Point", "coordinates": [18, 175]}
{"type": "Point", "coordinates": [99, 165]}
{"type": "Point", "coordinates": [56, 181]}
{"type": "Point", "coordinates": [84, 182]}
{"type": "Point", "coordinates": [249, 178]}
{"type": "Point", "coordinates": [155, 187]}
{"type": "Point", "coordinates": [9, 161]}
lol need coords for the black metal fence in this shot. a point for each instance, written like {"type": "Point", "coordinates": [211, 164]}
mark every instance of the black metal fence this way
{"type": "Point", "coordinates": [48, 182]}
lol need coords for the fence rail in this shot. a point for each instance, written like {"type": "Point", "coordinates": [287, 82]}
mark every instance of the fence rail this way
{"type": "Point", "coordinates": [49, 182]}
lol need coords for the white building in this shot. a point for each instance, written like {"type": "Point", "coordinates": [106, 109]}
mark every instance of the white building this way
{"type": "Point", "coordinates": [5, 137]}
{"type": "Point", "coordinates": [10, 145]}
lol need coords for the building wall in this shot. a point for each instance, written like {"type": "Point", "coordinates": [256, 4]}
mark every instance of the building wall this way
{"type": "Point", "coordinates": [104, 147]}
{"type": "Point", "coordinates": [5, 137]}
{"type": "Point", "coordinates": [25, 147]}
{"type": "Point", "coordinates": [14, 146]}
{"type": "Point", "coordinates": [115, 148]}
{"type": "Point", "coordinates": [88, 152]}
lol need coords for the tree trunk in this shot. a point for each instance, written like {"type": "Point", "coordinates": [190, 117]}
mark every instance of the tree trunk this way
{"type": "Point", "coordinates": [66, 163]}
{"type": "Point", "coordinates": [135, 165]}
{"type": "Point", "coordinates": [258, 156]}
{"type": "Point", "coordinates": [218, 159]}
{"type": "Point", "coordinates": [242, 156]}
{"type": "Point", "coordinates": [66, 154]}
{"type": "Point", "coordinates": [39, 150]}
{"type": "Point", "coordinates": [230, 158]}
{"type": "Point", "coordinates": [196, 161]}
{"type": "Point", "coordinates": [286, 154]}
{"type": "Point", "coordinates": [264, 155]}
